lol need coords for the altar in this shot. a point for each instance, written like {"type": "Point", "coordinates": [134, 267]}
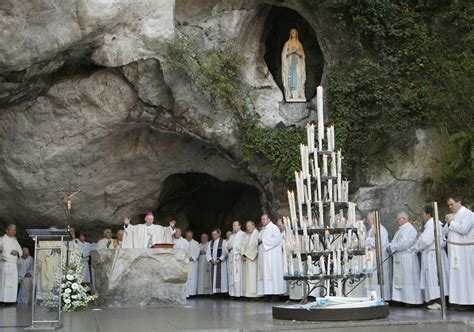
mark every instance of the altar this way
{"type": "Point", "coordinates": [140, 277]}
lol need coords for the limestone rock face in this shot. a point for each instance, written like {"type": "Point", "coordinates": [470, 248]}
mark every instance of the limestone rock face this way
{"type": "Point", "coordinates": [138, 277]}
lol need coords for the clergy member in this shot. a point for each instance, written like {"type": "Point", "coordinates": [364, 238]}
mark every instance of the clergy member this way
{"type": "Point", "coordinates": [250, 261]}
{"type": "Point", "coordinates": [461, 256]}
{"type": "Point", "coordinates": [270, 260]}
{"type": "Point", "coordinates": [387, 265]}
{"type": "Point", "coordinates": [234, 250]}
{"type": "Point", "coordinates": [429, 271]}
{"type": "Point", "coordinates": [10, 250]}
{"type": "Point", "coordinates": [193, 255]}
{"type": "Point", "coordinates": [148, 234]}
{"type": "Point", "coordinates": [107, 242]}
{"type": "Point", "coordinates": [216, 256]}
{"type": "Point", "coordinates": [204, 279]}
{"type": "Point", "coordinates": [406, 267]}
{"type": "Point", "coordinates": [84, 249]}
{"type": "Point", "coordinates": [25, 276]}
{"type": "Point", "coordinates": [179, 242]}
{"type": "Point", "coordinates": [119, 239]}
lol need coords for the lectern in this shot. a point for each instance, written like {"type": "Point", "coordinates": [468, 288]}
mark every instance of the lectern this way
{"type": "Point", "coordinates": [50, 254]}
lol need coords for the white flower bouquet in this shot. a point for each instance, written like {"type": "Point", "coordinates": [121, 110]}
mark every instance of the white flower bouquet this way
{"type": "Point", "coordinates": [74, 295]}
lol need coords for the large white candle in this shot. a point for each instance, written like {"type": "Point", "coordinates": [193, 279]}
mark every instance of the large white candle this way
{"type": "Point", "coordinates": [309, 214]}
{"type": "Point", "coordinates": [332, 212]}
{"type": "Point", "coordinates": [328, 269]}
{"type": "Point", "coordinates": [321, 214]}
{"type": "Point", "coordinates": [318, 180]}
{"type": "Point", "coordinates": [328, 135]}
{"type": "Point", "coordinates": [339, 187]}
{"type": "Point", "coordinates": [325, 165]}
{"type": "Point", "coordinates": [285, 259]}
{"type": "Point", "coordinates": [322, 265]}
{"type": "Point", "coordinates": [310, 192]}
{"type": "Point", "coordinates": [308, 135]}
{"type": "Point", "coordinates": [333, 164]}
{"type": "Point", "coordinates": [319, 104]}
{"type": "Point", "coordinates": [330, 190]}
{"type": "Point", "coordinates": [333, 142]}
{"type": "Point", "coordinates": [309, 261]}
{"type": "Point", "coordinates": [300, 264]}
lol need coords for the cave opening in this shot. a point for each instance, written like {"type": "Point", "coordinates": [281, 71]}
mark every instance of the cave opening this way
{"type": "Point", "coordinates": [278, 23]}
{"type": "Point", "coordinates": [202, 202]}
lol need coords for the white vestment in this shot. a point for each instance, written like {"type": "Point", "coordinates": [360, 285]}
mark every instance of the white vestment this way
{"type": "Point", "coordinates": [406, 266]}
{"type": "Point", "coordinates": [429, 271]}
{"type": "Point", "coordinates": [193, 255]}
{"type": "Point", "coordinates": [218, 271]}
{"type": "Point", "coordinates": [49, 264]}
{"type": "Point", "coordinates": [204, 279]}
{"type": "Point", "coordinates": [387, 265]}
{"type": "Point", "coordinates": [84, 249]}
{"type": "Point", "coordinates": [105, 244]}
{"type": "Point", "coordinates": [270, 261]}
{"type": "Point", "coordinates": [9, 269]}
{"type": "Point", "coordinates": [145, 236]}
{"type": "Point", "coordinates": [461, 258]}
{"type": "Point", "coordinates": [181, 243]}
{"type": "Point", "coordinates": [25, 265]}
{"type": "Point", "coordinates": [235, 264]}
{"type": "Point", "coordinates": [250, 265]}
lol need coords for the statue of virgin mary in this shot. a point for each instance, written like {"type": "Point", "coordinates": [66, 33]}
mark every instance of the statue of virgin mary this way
{"type": "Point", "coordinates": [293, 71]}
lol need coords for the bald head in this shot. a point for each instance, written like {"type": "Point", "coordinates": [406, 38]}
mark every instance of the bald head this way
{"type": "Point", "coordinates": [402, 218]}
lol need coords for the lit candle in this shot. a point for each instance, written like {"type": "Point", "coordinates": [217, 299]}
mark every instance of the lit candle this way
{"type": "Point", "coordinates": [319, 104]}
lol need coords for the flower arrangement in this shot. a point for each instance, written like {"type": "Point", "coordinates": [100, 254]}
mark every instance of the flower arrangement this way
{"type": "Point", "coordinates": [74, 295]}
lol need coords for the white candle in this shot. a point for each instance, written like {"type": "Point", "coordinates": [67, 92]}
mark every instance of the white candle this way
{"type": "Point", "coordinates": [333, 164]}
{"type": "Point", "coordinates": [325, 165]}
{"type": "Point", "coordinates": [338, 259]}
{"type": "Point", "coordinates": [309, 214]}
{"type": "Point", "coordinates": [308, 136]}
{"type": "Point", "coordinates": [330, 190]}
{"type": "Point", "coordinates": [311, 243]}
{"type": "Point", "coordinates": [333, 142]}
{"type": "Point", "coordinates": [339, 288]}
{"type": "Point", "coordinates": [321, 214]}
{"type": "Point", "coordinates": [319, 104]}
{"type": "Point", "coordinates": [310, 265]}
{"type": "Point", "coordinates": [318, 180]}
{"type": "Point", "coordinates": [300, 264]}
{"type": "Point", "coordinates": [328, 135]}
{"type": "Point", "coordinates": [285, 259]}
{"type": "Point", "coordinates": [346, 261]}
{"type": "Point", "coordinates": [328, 269]}
{"type": "Point", "coordinates": [316, 242]}
{"type": "Point", "coordinates": [332, 212]}
{"type": "Point", "coordinates": [339, 188]}
{"type": "Point", "coordinates": [339, 162]}
{"type": "Point", "coordinates": [322, 265]}
{"type": "Point", "coordinates": [349, 238]}
{"type": "Point", "coordinates": [310, 193]}
{"type": "Point", "coordinates": [291, 268]}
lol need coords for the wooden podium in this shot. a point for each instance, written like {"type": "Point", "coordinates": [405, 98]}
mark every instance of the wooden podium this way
{"type": "Point", "coordinates": [163, 246]}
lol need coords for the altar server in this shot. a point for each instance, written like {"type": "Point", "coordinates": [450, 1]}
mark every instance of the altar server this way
{"type": "Point", "coordinates": [406, 267]}
{"type": "Point", "coordinates": [387, 265]}
{"type": "Point", "coordinates": [204, 279]}
{"type": "Point", "coordinates": [460, 253]}
{"type": "Point", "coordinates": [10, 250]}
{"type": "Point", "coordinates": [270, 259]}
{"type": "Point", "coordinates": [216, 256]}
{"type": "Point", "coordinates": [25, 276]}
{"type": "Point", "coordinates": [429, 272]}
{"type": "Point", "coordinates": [193, 255]}
{"type": "Point", "coordinates": [250, 261]}
{"type": "Point", "coordinates": [234, 250]}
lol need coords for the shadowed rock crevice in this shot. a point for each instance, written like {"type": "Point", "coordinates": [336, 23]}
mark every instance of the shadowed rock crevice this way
{"type": "Point", "coordinates": [201, 202]}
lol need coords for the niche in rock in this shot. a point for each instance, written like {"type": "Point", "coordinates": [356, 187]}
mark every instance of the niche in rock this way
{"type": "Point", "coordinates": [201, 202]}
{"type": "Point", "coordinates": [278, 23]}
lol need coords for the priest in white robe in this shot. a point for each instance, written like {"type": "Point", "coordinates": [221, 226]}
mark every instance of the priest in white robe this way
{"type": "Point", "coordinates": [84, 248]}
{"type": "Point", "coordinates": [106, 242]}
{"type": "Point", "coordinates": [25, 276]}
{"type": "Point", "coordinates": [406, 266]}
{"type": "Point", "coordinates": [216, 256]}
{"type": "Point", "coordinates": [204, 278]}
{"type": "Point", "coordinates": [193, 255]}
{"type": "Point", "coordinates": [148, 234]}
{"type": "Point", "coordinates": [461, 257]}
{"type": "Point", "coordinates": [387, 265]}
{"type": "Point", "coordinates": [179, 241]}
{"type": "Point", "coordinates": [270, 259]}
{"type": "Point", "coordinates": [234, 251]}
{"type": "Point", "coordinates": [10, 250]}
{"type": "Point", "coordinates": [250, 261]}
{"type": "Point", "coordinates": [429, 271]}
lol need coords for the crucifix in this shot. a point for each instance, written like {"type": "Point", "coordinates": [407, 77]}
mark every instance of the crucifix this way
{"type": "Point", "coordinates": [69, 195]}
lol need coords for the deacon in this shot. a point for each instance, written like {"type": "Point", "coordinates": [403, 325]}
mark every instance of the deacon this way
{"type": "Point", "coordinates": [25, 276]}
{"type": "Point", "coordinates": [119, 239]}
{"type": "Point", "coordinates": [250, 261]}
{"type": "Point", "coordinates": [193, 255]}
{"type": "Point", "coordinates": [270, 259]}
{"type": "Point", "coordinates": [234, 250]}
{"type": "Point", "coordinates": [386, 259]}
{"type": "Point", "coordinates": [216, 256]}
{"type": "Point", "coordinates": [461, 254]}
{"type": "Point", "coordinates": [204, 279]}
{"type": "Point", "coordinates": [406, 267]}
{"type": "Point", "coordinates": [179, 242]}
{"type": "Point", "coordinates": [10, 250]}
{"type": "Point", "coordinates": [107, 242]}
{"type": "Point", "coordinates": [146, 235]}
{"type": "Point", "coordinates": [429, 272]}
